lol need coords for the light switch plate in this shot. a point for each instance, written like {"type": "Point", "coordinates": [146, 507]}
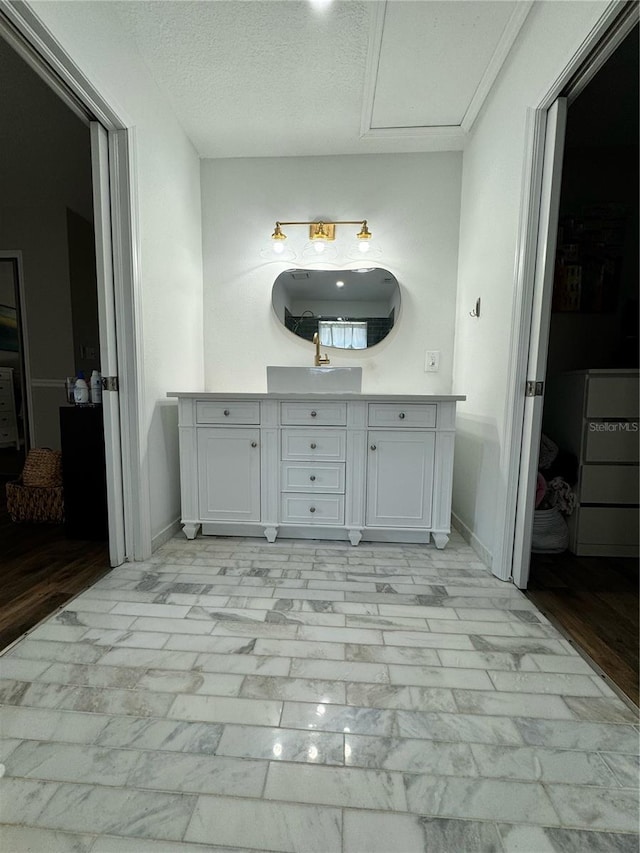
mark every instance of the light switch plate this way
{"type": "Point", "coordinates": [432, 361]}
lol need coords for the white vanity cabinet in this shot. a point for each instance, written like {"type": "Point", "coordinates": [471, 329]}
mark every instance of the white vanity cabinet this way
{"type": "Point", "coordinates": [354, 467]}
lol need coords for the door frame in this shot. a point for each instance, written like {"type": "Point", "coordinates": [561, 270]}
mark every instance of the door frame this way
{"type": "Point", "coordinates": [15, 255]}
{"type": "Point", "coordinates": [614, 25]}
{"type": "Point", "coordinates": [28, 35]}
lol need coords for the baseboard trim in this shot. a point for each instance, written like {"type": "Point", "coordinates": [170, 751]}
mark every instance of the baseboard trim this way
{"type": "Point", "coordinates": [470, 537]}
{"type": "Point", "coordinates": [167, 533]}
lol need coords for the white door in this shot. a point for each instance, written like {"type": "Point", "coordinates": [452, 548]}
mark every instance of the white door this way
{"type": "Point", "coordinates": [229, 474]}
{"type": "Point", "coordinates": [108, 347]}
{"type": "Point", "coordinates": [400, 478]}
{"type": "Point", "coordinates": [539, 337]}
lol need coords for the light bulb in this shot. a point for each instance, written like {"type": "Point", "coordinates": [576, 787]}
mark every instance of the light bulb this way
{"type": "Point", "coordinates": [319, 246]}
{"type": "Point", "coordinates": [339, 283]}
{"type": "Point", "coordinates": [278, 247]}
{"type": "Point", "coordinates": [363, 246]}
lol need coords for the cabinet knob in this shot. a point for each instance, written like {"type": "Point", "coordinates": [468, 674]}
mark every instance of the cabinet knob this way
{"type": "Point", "coordinates": [312, 509]}
{"type": "Point", "coordinates": [312, 477]}
{"type": "Point", "coordinates": [373, 447]}
{"type": "Point", "coordinates": [401, 416]}
{"type": "Point", "coordinates": [226, 413]}
{"type": "Point", "coordinates": [313, 414]}
{"type": "Point", "coordinates": [254, 444]}
{"type": "Point", "coordinates": [313, 445]}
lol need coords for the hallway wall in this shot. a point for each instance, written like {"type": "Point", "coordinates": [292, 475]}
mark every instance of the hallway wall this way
{"type": "Point", "coordinates": [494, 169]}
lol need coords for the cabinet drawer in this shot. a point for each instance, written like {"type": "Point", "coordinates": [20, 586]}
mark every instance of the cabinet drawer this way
{"type": "Point", "coordinates": [608, 526]}
{"type": "Point", "coordinates": [6, 387]}
{"type": "Point", "coordinates": [321, 445]}
{"type": "Point", "coordinates": [609, 484]}
{"type": "Point", "coordinates": [6, 403]}
{"type": "Point", "coordinates": [409, 415]}
{"type": "Point", "coordinates": [7, 434]}
{"type": "Point", "coordinates": [611, 441]}
{"type": "Point", "coordinates": [303, 414]}
{"type": "Point", "coordinates": [613, 397]}
{"type": "Point", "coordinates": [229, 412]}
{"type": "Point", "coordinates": [319, 477]}
{"type": "Point", "coordinates": [311, 509]}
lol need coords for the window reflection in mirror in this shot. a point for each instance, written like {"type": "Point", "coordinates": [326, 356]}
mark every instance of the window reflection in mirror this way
{"type": "Point", "coordinates": [350, 309]}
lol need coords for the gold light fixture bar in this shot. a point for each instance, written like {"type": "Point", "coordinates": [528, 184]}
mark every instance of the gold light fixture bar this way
{"type": "Point", "coordinates": [324, 230]}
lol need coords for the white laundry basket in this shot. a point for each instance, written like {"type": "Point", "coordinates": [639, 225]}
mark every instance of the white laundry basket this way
{"type": "Point", "coordinates": [550, 532]}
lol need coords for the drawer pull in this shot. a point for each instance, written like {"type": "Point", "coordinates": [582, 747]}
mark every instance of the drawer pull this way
{"type": "Point", "coordinates": [373, 447]}
{"type": "Point", "coordinates": [313, 445]}
{"type": "Point", "coordinates": [312, 509]}
{"type": "Point", "coordinates": [313, 414]}
{"type": "Point", "coordinates": [401, 416]}
{"type": "Point", "coordinates": [254, 444]}
{"type": "Point", "coordinates": [312, 477]}
{"type": "Point", "coordinates": [226, 413]}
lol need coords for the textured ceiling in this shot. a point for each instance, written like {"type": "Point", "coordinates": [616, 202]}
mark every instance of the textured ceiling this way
{"type": "Point", "coordinates": [280, 78]}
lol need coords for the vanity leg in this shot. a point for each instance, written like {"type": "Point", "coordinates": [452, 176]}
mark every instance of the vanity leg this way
{"type": "Point", "coordinates": [440, 539]}
{"type": "Point", "coordinates": [190, 529]}
{"type": "Point", "coordinates": [271, 533]}
{"type": "Point", "coordinates": [355, 535]}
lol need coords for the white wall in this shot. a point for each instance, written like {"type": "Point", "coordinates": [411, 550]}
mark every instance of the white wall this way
{"type": "Point", "coordinates": [412, 204]}
{"type": "Point", "coordinates": [170, 254]}
{"type": "Point", "coordinates": [492, 185]}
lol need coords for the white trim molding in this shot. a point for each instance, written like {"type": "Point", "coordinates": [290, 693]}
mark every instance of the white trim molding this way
{"type": "Point", "coordinates": [507, 39]}
{"type": "Point", "coordinates": [166, 534]}
{"type": "Point", "coordinates": [47, 383]}
{"type": "Point", "coordinates": [470, 537]}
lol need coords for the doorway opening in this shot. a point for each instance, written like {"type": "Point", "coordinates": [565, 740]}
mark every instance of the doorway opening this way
{"type": "Point", "coordinates": [49, 329]}
{"type": "Point", "coordinates": [584, 565]}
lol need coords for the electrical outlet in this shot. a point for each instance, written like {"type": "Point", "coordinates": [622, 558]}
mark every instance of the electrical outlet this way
{"type": "Point", "coordinates": [432, 361]}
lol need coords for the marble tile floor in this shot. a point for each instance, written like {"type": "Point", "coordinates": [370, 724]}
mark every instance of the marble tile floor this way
{"type": "Point", "coordinates": [232, 695]}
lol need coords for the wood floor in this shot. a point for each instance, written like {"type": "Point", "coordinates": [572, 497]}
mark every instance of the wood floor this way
{"type": "Point", "coordinates": [40, 569]}
{"type": "Point", "coordinates": [595, 601]}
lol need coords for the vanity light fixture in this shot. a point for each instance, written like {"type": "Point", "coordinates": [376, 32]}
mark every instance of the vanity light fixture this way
{"type": "Point", "coordinates": [321, 235]}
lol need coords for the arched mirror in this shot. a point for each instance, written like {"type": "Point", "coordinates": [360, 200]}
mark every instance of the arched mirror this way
{"type": "Point", "coordinates": [350, 309]}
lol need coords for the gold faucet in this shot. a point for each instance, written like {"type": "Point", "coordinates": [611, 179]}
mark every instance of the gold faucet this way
{"type": "Point", "coordinates": [319, 359]}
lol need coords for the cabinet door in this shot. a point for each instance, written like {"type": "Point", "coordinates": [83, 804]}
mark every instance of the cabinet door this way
{"type": "Point", "coordinates": [229, 474]}
{"type": "Point", "coordinates": [399, 478]}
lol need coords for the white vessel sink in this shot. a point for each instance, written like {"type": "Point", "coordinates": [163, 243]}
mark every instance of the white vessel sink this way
{"type": "Point", "coordinates": [314, 380]}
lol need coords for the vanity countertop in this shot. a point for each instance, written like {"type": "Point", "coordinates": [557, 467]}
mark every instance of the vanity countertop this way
{"type": "Point", "coordinates": [382, 398]}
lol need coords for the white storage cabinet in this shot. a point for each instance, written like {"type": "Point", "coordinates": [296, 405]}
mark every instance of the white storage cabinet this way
{"type": "Point", "coordinates": [594, 415]}
{"type": "Point", "coordinates": [326, 467]}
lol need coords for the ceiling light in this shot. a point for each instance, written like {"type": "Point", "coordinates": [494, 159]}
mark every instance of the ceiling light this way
{"type": "Point", "coordinates": [339, 283]}
{"type": "Point", "coordinates": [320, 5]}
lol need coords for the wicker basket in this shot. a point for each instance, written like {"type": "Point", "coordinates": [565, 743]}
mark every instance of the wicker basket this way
{"type": "Point", "coordinates": [38, 495]}
{"type": "Point", "coordinates": [35, 503]}
{"type": "Point", "coordinates": [42, 467]}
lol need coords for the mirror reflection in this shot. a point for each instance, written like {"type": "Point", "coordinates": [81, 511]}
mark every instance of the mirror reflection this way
{"type": "Point", "coordinates": [350, 309]}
